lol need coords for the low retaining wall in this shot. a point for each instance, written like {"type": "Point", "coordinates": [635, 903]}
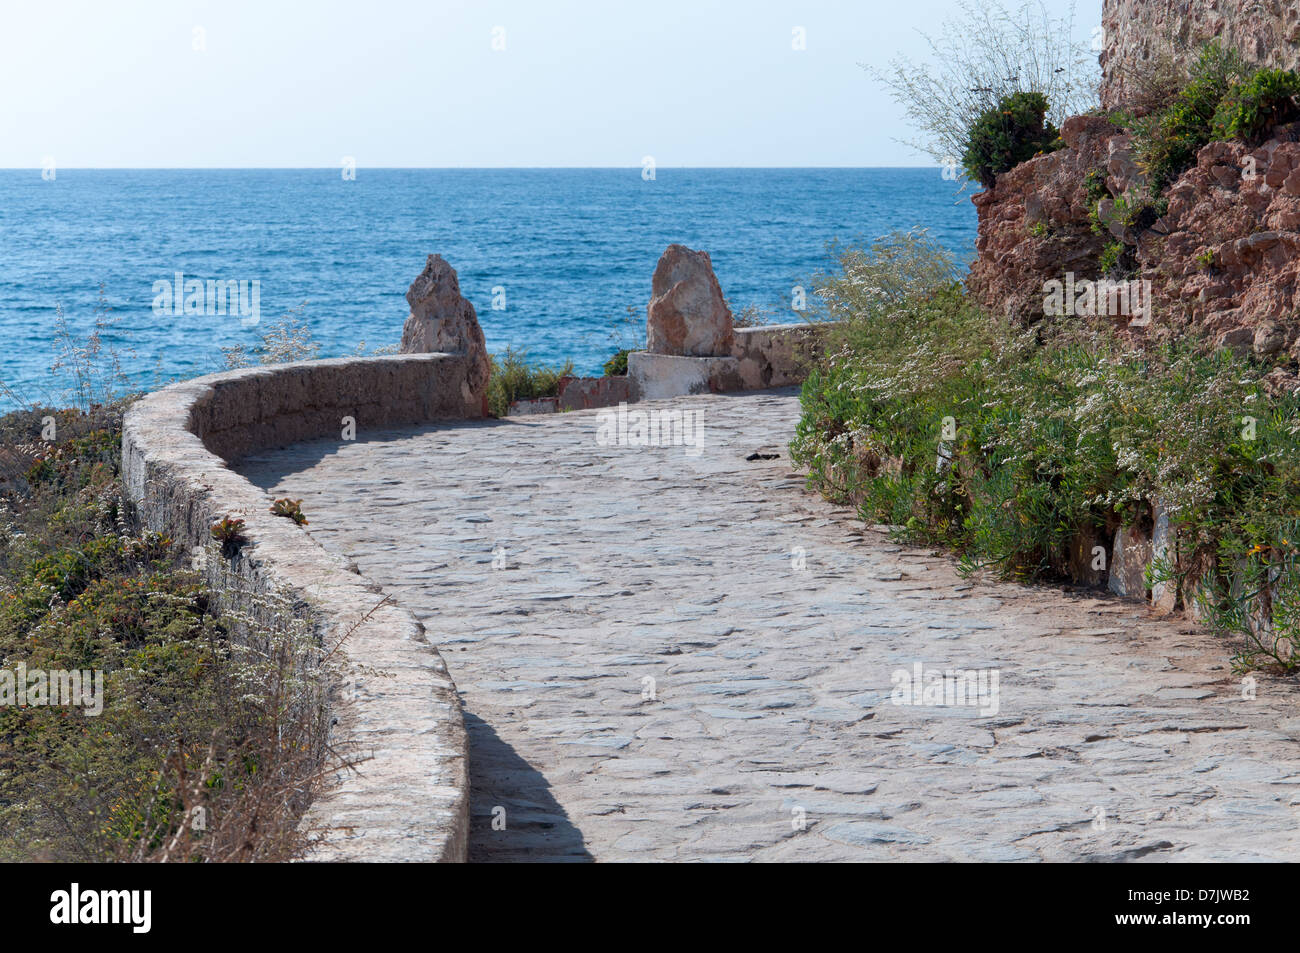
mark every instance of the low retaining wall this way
{"type": "Point", "coordinates": [576, 393]}
{"type": "Point", "coordinates": [772, 355]}
{"type": "Point", "coordinates": [584, 393]}
{"type": "Point", "coordinates": [777, 355]}
{"type": "Point", "coordinates": [658, 376]}
{"type": "Point", "coordinates": [409, 800]}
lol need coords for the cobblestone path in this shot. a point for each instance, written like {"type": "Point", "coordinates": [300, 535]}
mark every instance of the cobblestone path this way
{"type": "Point", "coordinates": [674, 657]}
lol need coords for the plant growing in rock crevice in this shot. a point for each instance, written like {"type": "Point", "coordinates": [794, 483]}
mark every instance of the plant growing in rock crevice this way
{"type": "Point", "coordinates": [1110, 258]}
{"type": "Point", "coordinates": [616, 366]}
{"type": "Point", "coordinates": [1166, 141]}
{"type": "Point", "coordinates": [1253, 107]}
{"type": "Point", "coordinates": [230, 534]}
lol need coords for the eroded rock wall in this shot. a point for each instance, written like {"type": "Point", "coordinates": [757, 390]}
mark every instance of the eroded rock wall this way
{"type": "Point", "coordinates": [1223, 262]}
{"type": "Point", "coordinates": [1225, 259]}
{"type": "Point", "coordinates": [1138, 32]}
{"type": "Point", "coordinates": [1034, 223]}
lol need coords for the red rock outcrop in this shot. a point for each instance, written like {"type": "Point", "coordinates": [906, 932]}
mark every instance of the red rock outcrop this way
{"type": "Point", "coordinates": [1223, 261]}
{"type": "Point", "coordinates": [1034, 224]}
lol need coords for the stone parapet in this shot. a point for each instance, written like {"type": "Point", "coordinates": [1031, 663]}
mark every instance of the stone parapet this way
{"type": "Point", "coordinates": [408, 799]}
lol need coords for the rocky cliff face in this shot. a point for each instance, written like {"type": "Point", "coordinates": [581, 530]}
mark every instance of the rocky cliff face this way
{"type": "Point", "coordinates": [1223, 261]}
{"type": "Point", "coordinates": [1226, 257]}
{"type": "Point", "coordinates": [1138, 32]}
{"type": "Point", "coordinates": [1034, 223]}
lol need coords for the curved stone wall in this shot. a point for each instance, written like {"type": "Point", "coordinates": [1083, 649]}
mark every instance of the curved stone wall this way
{"type": "Point", "coordinates": [409, 799]}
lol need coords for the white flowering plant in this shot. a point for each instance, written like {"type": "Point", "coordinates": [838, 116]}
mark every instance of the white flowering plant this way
{"type": "Point", "coordinates": [1015, 446]}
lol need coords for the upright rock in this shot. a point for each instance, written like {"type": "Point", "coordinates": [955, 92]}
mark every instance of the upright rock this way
{"type": "Point", "coordinates": [444, 320]}
{"type": "Point", "coordinates": [687, 314]}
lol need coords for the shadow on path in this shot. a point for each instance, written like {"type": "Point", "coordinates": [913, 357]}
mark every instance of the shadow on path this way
{"type": "Point", "coordinates": [536, 827]}
{"type": "Point", "coordinates": [267, 467]}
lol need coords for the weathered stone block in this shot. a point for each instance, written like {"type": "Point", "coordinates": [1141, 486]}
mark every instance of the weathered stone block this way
{"type": "Point", "coordinates": [585, 393]}
{"type": "Point", "coordinates": [536, 405]}
{"type": "Point", "coordinates": [656, 376]}
{"type": "Point", "coordinates": [1164, 547]}
{"type": "Point", "coordinates": [777, 355]}
{"type": "Point", "coordinates": [1128, 562]}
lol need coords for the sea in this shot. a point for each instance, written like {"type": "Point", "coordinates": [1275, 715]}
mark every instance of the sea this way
{"type": "Point", "coordinates": [557, 262]}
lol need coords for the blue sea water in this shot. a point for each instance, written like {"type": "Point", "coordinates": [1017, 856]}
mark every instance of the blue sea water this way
{"type": "Point", "coordinates": [573, 249]}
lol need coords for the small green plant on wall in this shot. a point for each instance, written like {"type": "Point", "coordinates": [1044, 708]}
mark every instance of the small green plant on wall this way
{"type": "Point", "coordinates": [290, 509]}
{"type": "Point", "coordinates": [616, 366]}
{"type": "Point", "coordinates": [1253, 107]}
{"type": "Point", "coordinates": [1110, 256]}
{"type": "Point", "coordinates": [230, 534]}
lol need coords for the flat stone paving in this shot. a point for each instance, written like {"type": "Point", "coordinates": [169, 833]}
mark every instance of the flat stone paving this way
{"type": "Point", "coordinates": [558, 576]}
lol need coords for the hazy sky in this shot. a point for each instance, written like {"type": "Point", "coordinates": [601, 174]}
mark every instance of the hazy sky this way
{"type": "Point", "coordinates": [411, 83]}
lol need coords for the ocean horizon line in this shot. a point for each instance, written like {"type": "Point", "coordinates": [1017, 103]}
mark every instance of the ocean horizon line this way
{"type": "Point", "coordinates": [470, 168]}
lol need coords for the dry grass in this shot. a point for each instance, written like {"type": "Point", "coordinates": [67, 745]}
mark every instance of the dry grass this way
{"type": "Point", "coordinates": [214, 735]}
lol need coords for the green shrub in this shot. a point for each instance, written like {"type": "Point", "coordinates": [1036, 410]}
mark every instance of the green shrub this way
{"type": "Point", "coordinates": [616, 366]}
{"type": "Point", "coordinates": [513, 378]}
{"type": "Point", "coordinates": [190, 721]}
{"type": "Point", "coordinates": [1222, 99]}
{"type": "Point", "coordinates": [1110, 256]}
{"type": "Point", "coordinates": [1010, 133]}
{"type": "Point", "coordinates": [1055, 433]}
{"type": "Point", "coordinates": [1166, 141]}
{"type": "Point", "coordinates": [1252, 108]}
{"type": "Point", "coordinates": [983, 50]}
